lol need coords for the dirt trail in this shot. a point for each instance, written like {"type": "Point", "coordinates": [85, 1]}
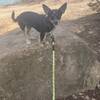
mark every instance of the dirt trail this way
{"type": "Point", "coordinates": [25, 72]}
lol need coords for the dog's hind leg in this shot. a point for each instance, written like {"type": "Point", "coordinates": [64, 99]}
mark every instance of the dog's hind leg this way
{"type": "Point", "coordinates": [26, 31]}
{"type": "Point", "coordinates": [30, 34]}
{"type": "Point", "coordinates": [42, 35]}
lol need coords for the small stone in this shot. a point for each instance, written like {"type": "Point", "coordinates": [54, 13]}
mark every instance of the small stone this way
{"type": "Point", "coordinates": [93, 99]}
{"type": "Point", "coordinates": [80, 94]}
{"type": "Point", "coordinates": [74, 96]}
{"type": "Point", "coordinates": [87, 97]}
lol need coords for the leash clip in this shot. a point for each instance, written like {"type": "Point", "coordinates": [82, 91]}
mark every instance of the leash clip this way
{"type": "Point", "coordinates": [53, 42]}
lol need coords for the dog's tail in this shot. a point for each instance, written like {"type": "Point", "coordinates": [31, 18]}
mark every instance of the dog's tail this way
{"type": "Point", "coordinates": [13, 16]}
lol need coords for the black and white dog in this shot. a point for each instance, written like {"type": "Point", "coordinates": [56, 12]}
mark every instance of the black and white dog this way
{"type": "Point", "coordinates": [42, 23]}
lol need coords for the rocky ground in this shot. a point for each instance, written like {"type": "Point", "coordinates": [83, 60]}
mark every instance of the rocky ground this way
{"type": "Point", "coordinates": [25, 72]}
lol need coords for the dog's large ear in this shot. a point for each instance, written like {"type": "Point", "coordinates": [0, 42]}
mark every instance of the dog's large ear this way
{"type": "Point", "coordinates": [63, 8]}
{"type": "Point", "coordinates": [46, 9]}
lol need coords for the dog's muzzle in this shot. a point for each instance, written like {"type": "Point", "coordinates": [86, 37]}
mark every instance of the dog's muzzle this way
{"type": "Point", "coordinates": [55, 22]}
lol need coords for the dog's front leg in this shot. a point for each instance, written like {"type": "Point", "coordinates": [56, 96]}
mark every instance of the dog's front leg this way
{"type": "Point", "coordinates": [27, 30]}
{"type": "Point", "coordinates": [42, 35]}
{"type": "Point", "coordinates": [47, 38]}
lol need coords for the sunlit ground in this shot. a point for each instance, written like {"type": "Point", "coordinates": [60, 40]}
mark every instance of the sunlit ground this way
{"type": "Point", "coordinates": [74, 10]}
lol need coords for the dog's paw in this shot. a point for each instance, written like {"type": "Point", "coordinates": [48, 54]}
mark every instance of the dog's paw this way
{"type": "Point", "coordinates": [47, 43]}
{"type": "Point", "coordinates": [42, 45]}
{"type": "Point", "coordinates": [28, 42]}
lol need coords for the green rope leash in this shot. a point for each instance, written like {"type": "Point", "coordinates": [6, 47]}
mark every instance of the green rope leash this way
{"type": "Point", "coordinates": [53, 70]}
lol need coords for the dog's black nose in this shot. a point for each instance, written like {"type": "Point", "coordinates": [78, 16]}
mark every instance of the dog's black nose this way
{"type": "Point", "coordinates": [56, 23]}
